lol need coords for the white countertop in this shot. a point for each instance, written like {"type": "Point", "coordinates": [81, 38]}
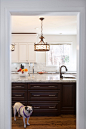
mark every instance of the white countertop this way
{"type": "Point", "coordinates": [40, 78]}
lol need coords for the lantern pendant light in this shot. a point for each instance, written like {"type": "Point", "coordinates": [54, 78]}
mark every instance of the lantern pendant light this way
{"type": "Point", "coordinates": [41, 46]}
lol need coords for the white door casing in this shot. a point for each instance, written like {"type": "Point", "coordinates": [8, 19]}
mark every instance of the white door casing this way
{"type": "Point", "coordinates": [39, 7]}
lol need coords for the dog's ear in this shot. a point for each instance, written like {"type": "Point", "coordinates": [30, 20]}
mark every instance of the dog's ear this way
{"type": "Point", "coordinates": [26, 107]}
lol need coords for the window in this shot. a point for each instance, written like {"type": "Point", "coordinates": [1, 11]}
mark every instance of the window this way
{"type": "Point", "coordinates": [58, 54]}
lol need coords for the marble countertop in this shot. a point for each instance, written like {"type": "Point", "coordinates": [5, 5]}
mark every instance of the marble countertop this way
{"type": "Point", "coordinates": [40, 78]}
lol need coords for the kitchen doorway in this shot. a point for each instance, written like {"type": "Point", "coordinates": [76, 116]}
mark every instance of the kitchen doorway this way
{"type": "Point", "coordinates": [8, 39]}
{"type": "Point", "coordinates": [20, 41]}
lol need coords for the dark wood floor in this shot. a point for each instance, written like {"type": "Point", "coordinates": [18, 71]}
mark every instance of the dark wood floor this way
{"type": "Point", "coordinates": [60, 122]}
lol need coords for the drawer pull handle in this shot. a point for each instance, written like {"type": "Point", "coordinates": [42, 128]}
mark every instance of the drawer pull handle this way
{"type": "Point", "coordinates": [51, 86]}
{"type": "Point", "coordinates": [18, 95]}
{"type": "Point", "coordinates": [36, 107]}
{"type": "Point", "coordinates": [36, 95]}
{"type": "Point", "coordinates": [18, 86]}
{"type": "Point", "coordinates": [51, 107]}
{"type": "Point", "coordinates": [51, 95]}
{"type": "Point", "coordinates": [36, 86]}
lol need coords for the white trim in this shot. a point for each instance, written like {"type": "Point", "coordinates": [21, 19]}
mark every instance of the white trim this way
{"type": "Point", "coordinates": [59, 34]}
{"type": "Point", "coordinates": [24, 42]}
{"type": "Point", "coordinates": [30, 8]}
{"type": "Point", "coordinates": [60, 43]}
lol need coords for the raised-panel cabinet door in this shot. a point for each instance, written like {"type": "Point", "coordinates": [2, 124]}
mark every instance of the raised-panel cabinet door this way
{"type": "Point", "coordinates": [23, 52]}
{"type": "Point", "coordinates": [31, 53]}
{"type": "Point", "coordinates": [14, 54]}
{"type": "Point", "coordinates": [68, 98]}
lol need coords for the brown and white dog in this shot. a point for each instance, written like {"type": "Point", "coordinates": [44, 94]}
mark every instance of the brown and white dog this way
{"type": "Point", "coordinates": [24, 111]}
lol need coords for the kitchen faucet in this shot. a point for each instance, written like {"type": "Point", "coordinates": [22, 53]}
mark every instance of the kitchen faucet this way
{"type": "Point", "coordinates": [60, 70]}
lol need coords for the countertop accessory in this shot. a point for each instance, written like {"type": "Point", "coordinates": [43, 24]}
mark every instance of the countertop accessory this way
{"type": "Point", "coordinates": [33, 71]}
{"type": "Point", "coordinates": [41, 46]}
{"type": "Point", "coordinates": [29, 69]}
{"type": "Point", "coordinates": [41, 72]}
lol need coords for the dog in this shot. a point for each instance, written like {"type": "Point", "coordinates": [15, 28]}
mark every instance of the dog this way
{"type": "Point", "coordinates": [24, 111]}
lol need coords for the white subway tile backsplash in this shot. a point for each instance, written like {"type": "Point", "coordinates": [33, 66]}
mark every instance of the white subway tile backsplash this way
{"type": "Point", "coordinates": [39, 67]}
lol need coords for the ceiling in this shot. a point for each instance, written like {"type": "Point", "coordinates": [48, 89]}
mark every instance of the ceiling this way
{"type": "Point", "coordinates": [51, 25]}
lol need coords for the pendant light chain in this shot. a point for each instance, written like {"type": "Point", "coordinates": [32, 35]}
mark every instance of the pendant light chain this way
{"type": "Point", "coordinates": [41, 27]}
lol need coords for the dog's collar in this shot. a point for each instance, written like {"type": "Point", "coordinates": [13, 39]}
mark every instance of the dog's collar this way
{"type": "Point", "coordinates": [25, 114]}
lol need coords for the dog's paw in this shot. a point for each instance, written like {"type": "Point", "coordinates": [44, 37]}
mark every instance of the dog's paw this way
{"type": "Point", "coordinates": [24, 126]}
{"type": "Point", "coordinates": [14, 119]}
{"type": "Point", "coordinates": [28, 124]}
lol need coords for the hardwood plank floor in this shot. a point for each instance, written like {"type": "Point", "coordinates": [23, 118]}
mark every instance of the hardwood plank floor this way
{"type": "Point", "coordinates": [59, 122]}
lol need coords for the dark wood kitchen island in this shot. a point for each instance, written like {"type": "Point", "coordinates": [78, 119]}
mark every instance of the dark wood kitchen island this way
{"type": "Point", "coordinates": [49, 98]}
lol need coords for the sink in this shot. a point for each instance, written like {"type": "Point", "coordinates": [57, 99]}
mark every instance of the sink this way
{"type": "Point", "coordinates": [68, 76]}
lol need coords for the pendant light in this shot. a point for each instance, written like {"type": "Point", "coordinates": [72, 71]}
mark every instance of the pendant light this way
{"type": "Point", "coordinates": [41, 46]}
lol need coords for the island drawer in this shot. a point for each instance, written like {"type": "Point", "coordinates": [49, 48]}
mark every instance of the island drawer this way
{"type": "Point", "coordinates": [44, 86]}
{"type": "Point", "coordinates": [43, 95]}
{"type": "Point", "coordinates": [44, 108]}
{"type": "Point", "coordinates": [19, 95]}
{"type": "Point", "coordinates": [19, 86]}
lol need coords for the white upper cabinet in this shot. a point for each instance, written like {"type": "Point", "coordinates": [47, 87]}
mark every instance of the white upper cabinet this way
{"type": "Point", "coordinates": [14, 54]}
{"type": "Point", "coordinates": [31, 53]}
{"type": "Point", "coordinates": [26, 53]}
{"type": "Point", "coordinates": [23, 52]}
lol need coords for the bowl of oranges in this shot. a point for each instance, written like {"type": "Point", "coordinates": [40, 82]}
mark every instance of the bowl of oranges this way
{"type": "Point", "coordinates": [23, 72]}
